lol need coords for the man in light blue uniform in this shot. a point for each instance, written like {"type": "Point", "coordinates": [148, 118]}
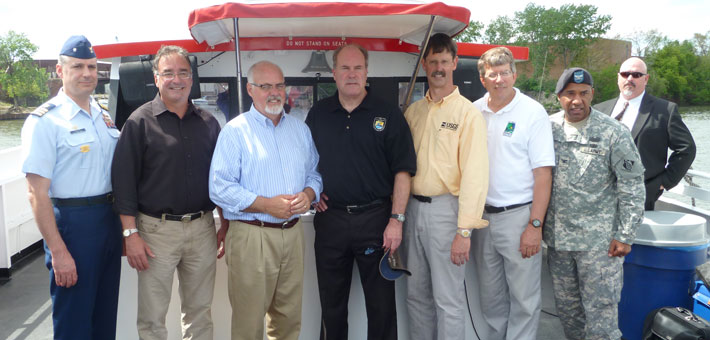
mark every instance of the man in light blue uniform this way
{"type": "Point", "coordinates": [68, 144]}
{"type": "Point", "coordinates": [263, 176]}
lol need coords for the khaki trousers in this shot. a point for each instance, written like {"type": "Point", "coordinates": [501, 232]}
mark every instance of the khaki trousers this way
{"type": "Point", "coordinates": [265, 279]}
{"type": "Point", "coordinates": [191, 248]}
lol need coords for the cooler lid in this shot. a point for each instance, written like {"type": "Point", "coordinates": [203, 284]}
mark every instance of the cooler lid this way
{"type": "Point", "coordinates": [671, 229]}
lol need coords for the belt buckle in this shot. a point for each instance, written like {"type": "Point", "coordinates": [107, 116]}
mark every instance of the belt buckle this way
{"type": "Point", "coordinates": [283, 225]}
{"type": "Point", "coordinates": [186, 218]}
{"type": "Point", "coordinates": [348, 207]}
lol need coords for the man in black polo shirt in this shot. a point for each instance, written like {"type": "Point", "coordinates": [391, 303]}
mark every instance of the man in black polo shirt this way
{"type": "Point", "coordinates": [160, 174]}
{"type": "Point", "coordinates": [366, 160]}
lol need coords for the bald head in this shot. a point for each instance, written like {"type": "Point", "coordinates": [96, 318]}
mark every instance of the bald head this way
{"type": "Point", "coordinates": [263, 66]}
{"type": "Point", "coordinates": [632, 78]}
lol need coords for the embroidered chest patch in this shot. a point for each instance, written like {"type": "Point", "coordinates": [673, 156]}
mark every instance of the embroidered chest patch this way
{"type": "Point", "coordinates": [379, 123]}
{"type": "Point", "coordinates": [450, 126]}
{"type": "Point", "coordinates": [509, 129]}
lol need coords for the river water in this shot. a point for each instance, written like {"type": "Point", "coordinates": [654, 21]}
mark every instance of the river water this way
{"type": "Point", "coordinates": [697, 119]}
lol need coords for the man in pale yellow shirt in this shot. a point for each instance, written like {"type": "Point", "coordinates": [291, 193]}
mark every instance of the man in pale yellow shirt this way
{"type": "Point", "coordinates": [448, 194]}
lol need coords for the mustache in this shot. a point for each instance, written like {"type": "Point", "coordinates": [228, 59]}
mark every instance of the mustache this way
{"type": "Point", "coordinates": [438, 73]}
{"type": "Point", "coordinates": [273, 97]}
{"type": "Point", "coordinates": [629, 83]}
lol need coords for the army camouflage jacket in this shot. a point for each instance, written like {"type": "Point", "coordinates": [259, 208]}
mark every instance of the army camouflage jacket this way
{"type": "Point", "coordinates": [597, 191]}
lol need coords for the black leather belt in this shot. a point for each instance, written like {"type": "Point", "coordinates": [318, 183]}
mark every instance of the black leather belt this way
{"type": "Point", "coordinates": [358, 208]}
{"type": "Point", "coordinates": [494, 210]}
{"type": "Point", "coordinates": [283, 225]}
{"type": "Point", "coordinates": [106, 198]}
{"type": "Point", "coordinates": [423, 199]}
{"type": "Point", "coordinates": [181, 218]}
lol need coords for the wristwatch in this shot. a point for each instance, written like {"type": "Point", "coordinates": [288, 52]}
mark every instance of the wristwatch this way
{"type": "Point", "coordinates": [129, 232]}
{"type": "Point", "coordinates": [398, 217]}
{"type": "Point", "coordinates": [465, 233]}
{"type": "Point", "coordinates": [536, 223]}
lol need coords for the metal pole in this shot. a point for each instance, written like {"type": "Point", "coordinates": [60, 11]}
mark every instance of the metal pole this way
{"type": "Point", "coordinates": [238, 59]}
{"type": "Point", "coordinates": [419, 62]}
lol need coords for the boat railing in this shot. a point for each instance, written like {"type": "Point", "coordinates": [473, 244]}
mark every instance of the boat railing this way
{"type": "Point", "coordinates": [691, 196]}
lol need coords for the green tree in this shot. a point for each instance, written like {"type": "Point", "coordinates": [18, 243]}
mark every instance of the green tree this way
{"type": "Point", "coordinates": [500, 31]}
{"type": "Point", "coordinates": [19, 78]}
{"type": "Point", "coordinates": [605, 86]}
{"type": "Point", "coordinates": [578, 26]}
{"type": "Point", "coordinates": [673, 73]}
{"type": "Point", "coordinates": [646, 43]}
{"type": "Point", "coordinates": [551, 33]}
{"type": "Point", "coordinates": [702, 43]}
{"type": "Point", "coordinates": [472, 33]}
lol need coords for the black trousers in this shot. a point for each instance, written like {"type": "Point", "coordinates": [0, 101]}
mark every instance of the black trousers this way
{"type": "Point", "coordinates": [340, 239]}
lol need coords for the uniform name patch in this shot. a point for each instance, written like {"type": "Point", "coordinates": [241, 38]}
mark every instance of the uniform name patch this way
{"type": "Point", "coordinates": [593, 151]}
{"type": "Point", "coordinates": [509, 129]}
{"type": "Point", "coordinates": [449, 126]}
{"type": "Point", "coordinates": [379, 123]}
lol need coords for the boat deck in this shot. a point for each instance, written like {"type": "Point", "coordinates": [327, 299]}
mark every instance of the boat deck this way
{"type": "Point", "coordinates": [25, 306]}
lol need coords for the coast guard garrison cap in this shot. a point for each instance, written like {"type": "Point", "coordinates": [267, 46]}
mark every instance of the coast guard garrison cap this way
{"type": "Point", "coordinates": [575, 75]}
{"type": "Point", "coordinates": [78, 46]}
{"type": "Point", "coordinates": [392, 267]}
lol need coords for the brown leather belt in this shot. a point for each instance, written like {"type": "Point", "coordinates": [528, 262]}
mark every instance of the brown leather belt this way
{"type": "Point", "coordinates": [284, 225]}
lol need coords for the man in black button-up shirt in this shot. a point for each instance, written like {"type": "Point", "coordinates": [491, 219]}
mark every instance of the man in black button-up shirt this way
{"type": "Point", "coordinates": [366, 160]}
{"type": "Point", "coordinates": [160, 177]}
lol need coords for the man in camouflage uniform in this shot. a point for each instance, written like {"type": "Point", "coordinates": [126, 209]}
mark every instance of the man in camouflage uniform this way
{"type": "Point", "coordinates": [596, 205]}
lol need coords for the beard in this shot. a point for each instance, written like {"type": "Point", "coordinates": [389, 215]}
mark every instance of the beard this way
{"type": "Point", "coordinates": [274, 108]}
{"type": "Point", "coordinates": [628, 89]}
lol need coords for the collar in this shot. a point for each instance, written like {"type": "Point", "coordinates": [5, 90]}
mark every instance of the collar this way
{"type": "Point", "coordinates": [63, 98]}
{"type": "Point", "coordinates": [454, 93]}
{"type": "Point", "coordinates": [158, 107]}
{"type": "Point", "coordinates": [637, 101]}
{"type": "Point", "coordinates": [509, 107]}
{"type": "Point", "coordinates": [367, 103]}
{"type": "Point", "coordinates": [265, 121]}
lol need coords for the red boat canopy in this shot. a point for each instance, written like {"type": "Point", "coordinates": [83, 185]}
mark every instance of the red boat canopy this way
{"type": "Point", "coordinates": [407, 22]}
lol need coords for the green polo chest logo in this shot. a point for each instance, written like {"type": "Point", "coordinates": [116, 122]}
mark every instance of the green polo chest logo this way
{"type": "Point", "coordinates": [379, 123]}
{"type": "Point", "coordinates": [509, 129]}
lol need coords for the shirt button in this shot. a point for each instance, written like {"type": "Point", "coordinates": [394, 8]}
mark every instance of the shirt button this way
{"type": "Point", "coordinates": [188, 155]}
{"type": "Point", "coordinates": [348, 116]}
{"type": "Point", "coordinates": [347, 128]}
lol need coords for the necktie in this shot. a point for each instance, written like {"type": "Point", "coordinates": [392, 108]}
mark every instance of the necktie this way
{"type": "Point", "coordinates": [621, 114]}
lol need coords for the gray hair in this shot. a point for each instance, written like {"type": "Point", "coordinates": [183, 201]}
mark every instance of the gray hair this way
{"type": "Point", "coordinates": [495, 57]}
{"type": "Point", "coordinates": [167, 50]}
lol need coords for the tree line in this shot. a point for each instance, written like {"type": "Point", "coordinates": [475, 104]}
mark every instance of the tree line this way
{"type": "Point", "coordinates": [680, 70]}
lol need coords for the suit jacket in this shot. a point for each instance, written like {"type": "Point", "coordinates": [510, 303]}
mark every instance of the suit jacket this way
{"type": "Point", "coordinates": [659, 127]}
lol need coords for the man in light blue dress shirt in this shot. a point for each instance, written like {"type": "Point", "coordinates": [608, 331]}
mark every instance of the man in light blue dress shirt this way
{"type": "Point", "coordinates": [68, 144]}
{"type": "Point", "coordinates": [263, 176]}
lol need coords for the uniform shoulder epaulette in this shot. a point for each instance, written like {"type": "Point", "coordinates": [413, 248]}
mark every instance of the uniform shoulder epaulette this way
{"type": "Point", "coordinates": [43, 109]}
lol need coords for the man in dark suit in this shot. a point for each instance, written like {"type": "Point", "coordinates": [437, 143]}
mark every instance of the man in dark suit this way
{"type": "Point", "coordinates": [656, 126]}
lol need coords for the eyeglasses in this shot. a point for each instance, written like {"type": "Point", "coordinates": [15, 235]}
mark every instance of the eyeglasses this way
{"type": "Point", "coordinates": [171, 76]}
{"type": "Point", "coordinates": [504, 74]}
{"type": "Point", "coordinates": [633, 74]}
{"type": "Point", "coordinates": [268, 87]}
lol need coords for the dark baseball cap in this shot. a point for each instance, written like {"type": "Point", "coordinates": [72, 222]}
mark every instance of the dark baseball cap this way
{"type": "Point", "coordinates": [575, 75]}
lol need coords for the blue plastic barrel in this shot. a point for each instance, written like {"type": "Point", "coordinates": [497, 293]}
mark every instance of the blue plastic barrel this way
{"type": "Point", "coordinates": [660, 269]}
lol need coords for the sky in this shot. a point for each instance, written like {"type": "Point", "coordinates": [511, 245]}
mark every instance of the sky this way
{"type": "Point", "coordinates": [48, 24]}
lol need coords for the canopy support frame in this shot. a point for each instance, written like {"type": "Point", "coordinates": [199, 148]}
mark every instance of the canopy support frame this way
{"type": "Point", "coordinates": [238, 60]}
{"type": "Point", "coordinates": [412, 81]}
